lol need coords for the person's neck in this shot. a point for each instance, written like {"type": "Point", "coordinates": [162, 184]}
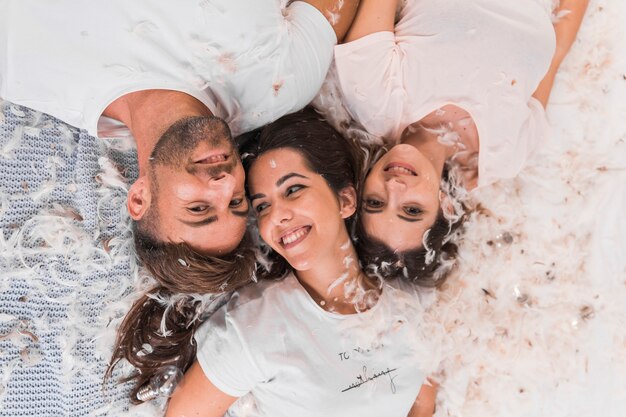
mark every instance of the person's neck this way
{"type": "Point", "coordinates": [149, 113]}
{"type": "Point", "coordinates": [325, 281]}
{"type": "Point", "coordinates": [427, 142]}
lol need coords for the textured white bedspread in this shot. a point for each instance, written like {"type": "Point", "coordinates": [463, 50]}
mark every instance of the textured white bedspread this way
{"type": "Point", "coordinates": [534, 327]}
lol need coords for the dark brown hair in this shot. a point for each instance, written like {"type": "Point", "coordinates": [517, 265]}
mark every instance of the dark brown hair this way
{"type": "Point", "coordinates": [167, 316]}
{"type": "Point", "coordinates": [324, 150]}
{"type": "Point", "coordinates": [427, 265]}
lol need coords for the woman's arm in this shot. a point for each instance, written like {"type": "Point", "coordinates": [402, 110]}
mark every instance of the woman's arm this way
{"type": "Point", "coordinates": [566, 29]}
{"type": "Point", "coordinates": [372, 16]}
{"type": "Point", "coordinates": [197, 396]}
{"type": "Point", "coordinates": [340, 13]}
{"type": "Point", "coordinates": [424, 405]}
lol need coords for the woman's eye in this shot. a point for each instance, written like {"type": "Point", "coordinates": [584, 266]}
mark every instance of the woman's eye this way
{"type": "Point", "coordinates": [261, 207]}
{"type": "Point", "coordinates": [198, 209]}
{"type": "Point", "coordinates": [412, 210]}
{"type": "Point", "coordinates": [373, 203]}
{"type": "Point", "coordinates": [236, 202]}
{"type": "Point", "coordinates": [294, 188]}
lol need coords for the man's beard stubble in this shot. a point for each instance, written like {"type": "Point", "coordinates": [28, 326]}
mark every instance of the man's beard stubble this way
{"type": "Point", "coordinates": [176, 146]}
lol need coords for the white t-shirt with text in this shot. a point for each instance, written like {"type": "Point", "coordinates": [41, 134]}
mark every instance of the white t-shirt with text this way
{"type": "Point", "coordinates": [296, 359]}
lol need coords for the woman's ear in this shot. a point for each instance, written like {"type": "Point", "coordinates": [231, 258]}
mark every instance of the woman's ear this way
{"type": "Point", "coordinates": [347, 201]}
{"type": "Point", "coordinates": [139, 198]}
{"type": "Point", "coordinates": [447, 207]}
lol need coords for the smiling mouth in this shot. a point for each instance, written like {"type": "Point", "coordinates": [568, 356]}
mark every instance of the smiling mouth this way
{"type": "Point", "coordinates": [399, 168]}
{"type": "Point", "coordinates": [215, 158]}
{"type": "Point", "coordinates": [295, 236]}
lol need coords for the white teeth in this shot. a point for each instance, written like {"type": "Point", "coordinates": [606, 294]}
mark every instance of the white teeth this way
{"type": "Point", "coordinates": [215, 158]}
{"type": "Point", "coordinates": [401, 170]}
{"type": "Point", "coordinates": [293, 236]}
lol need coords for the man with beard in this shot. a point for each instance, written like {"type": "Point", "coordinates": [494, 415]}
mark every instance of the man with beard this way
{"type": "Point", "coordinates": [180, 78]}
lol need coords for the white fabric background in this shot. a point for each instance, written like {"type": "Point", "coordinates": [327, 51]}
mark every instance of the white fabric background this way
{"type": "Point", "coordinates": [67, 275]}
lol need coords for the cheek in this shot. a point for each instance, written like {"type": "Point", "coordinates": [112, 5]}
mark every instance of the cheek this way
{"type": "Point", "coordinates": [373, 182]}
{"type": "Point", "coordinates": [264, 231]}
{"type": "Point", "coordinates": [239, 173]}
{"type": "Point", "coordinates": [369, 224]}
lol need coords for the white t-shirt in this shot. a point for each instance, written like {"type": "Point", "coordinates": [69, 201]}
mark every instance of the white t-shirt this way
{"type": "Point", "coordinates": [248, 61]}
{"type": "Point", "coordinates": [485, 56]}
{"type": "Point", "coordinates": [272, 340]}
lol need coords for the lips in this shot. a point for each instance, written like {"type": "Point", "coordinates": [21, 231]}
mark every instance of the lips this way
{"type": "Point", "coordinates": [213, 159]}
{"type": "Point", "coordinates": [400, 168]}
{"type": "Point", "coordinates": [294, 236]}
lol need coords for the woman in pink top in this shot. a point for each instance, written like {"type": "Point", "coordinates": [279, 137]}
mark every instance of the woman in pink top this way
{"type": "Point", "coordinates": [459, 87]}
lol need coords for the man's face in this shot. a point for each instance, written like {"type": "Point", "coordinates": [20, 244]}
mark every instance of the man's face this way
{"type": "Point", "coordinates": [197, 186]}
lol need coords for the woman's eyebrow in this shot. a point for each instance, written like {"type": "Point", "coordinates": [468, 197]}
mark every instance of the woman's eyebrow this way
{"type": "Point", "coordinates": [284, 178]}
{"type": "Point", "coordinates": [406, 219]}
{"type": "Point", "coordinates": [280, 182]}
{"type": "Point", "coordinates": [372, 211]}
{"type": "Point", "coordinates": [255, 196]}
{"type": "Point", "coordinates": [409, 219]}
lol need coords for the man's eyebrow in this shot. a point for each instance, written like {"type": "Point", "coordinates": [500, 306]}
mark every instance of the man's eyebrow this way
{"type": "Point", "coordinates": [241, 213]}
{"type": "Point", "coordinates": [199, 223]}
{"type": "Point", "coordinates": [284, 178]}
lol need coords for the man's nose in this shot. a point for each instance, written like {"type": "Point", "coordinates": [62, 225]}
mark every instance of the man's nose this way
{"type": "Point", "coordinates": [222, 186]}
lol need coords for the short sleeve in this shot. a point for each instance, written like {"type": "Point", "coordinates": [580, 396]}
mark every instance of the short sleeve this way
{"type": "Point", "coordinates": [500, 158]}
{"type": "Point", "coordinates": [224, 356]}
{"type": "Point", "coordinates": [370, 71]}
{"type": "Point", "coordinates": [309, 52]}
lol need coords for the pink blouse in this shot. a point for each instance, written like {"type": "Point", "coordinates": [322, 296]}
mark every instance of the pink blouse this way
{"type": "Point", "coordinates": [485, 56]}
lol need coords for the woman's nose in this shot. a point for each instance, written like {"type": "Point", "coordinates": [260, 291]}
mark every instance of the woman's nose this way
{"type": "Point", "coordinates": [281, 214]}
{"type": "Point", "coordinates": [395, 184]}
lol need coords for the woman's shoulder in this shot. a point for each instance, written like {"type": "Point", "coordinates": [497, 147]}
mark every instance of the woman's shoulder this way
{"type": "Point", "coordinates": [248, 308]}
{"type": "Point", "coordinates": [261, 297]}
{"type": "Point", "coordinates": [415, 295]}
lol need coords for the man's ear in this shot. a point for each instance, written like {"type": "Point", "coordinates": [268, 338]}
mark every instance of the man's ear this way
{"type": "Point", "coordinates": [139, 198]}
{"type": "Point", "coordinates": [347, 202]}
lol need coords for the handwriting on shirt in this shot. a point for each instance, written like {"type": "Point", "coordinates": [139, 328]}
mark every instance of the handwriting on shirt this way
{"type": "Point", "coordinates": [364, 378]}
{"type": "Point", "coordinates": [344, 356]}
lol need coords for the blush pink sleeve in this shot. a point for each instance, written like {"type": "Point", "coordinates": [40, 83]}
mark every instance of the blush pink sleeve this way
{"type": "Point", "coordinates": [371, 72]}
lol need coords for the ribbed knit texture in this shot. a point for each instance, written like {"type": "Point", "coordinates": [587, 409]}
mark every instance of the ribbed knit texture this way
{"type": "Point", "coordinates": [65, 265]}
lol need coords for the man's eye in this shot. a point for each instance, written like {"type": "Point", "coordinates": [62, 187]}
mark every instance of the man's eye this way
{"type": "Point", "coordinates": [198, 209]}
{"type": "Point", "coordinates": [236, 202]}
{"type": "Point", "coordinates": [293, 189]}
{"type": "Point", "coordinates": [261, 207]}
{"type": "Point", "coordinates": [373, 203]}
{"type": "Point", "coordinates": [412, 210]}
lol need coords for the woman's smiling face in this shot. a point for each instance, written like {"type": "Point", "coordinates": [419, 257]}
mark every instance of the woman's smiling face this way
{"type": "Point", "coordinates": [400, 198]}
{"type": "Point", "coordinates": [298, 214]}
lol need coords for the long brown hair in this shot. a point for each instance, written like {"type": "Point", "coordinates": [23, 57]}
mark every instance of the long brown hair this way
{"type": "Point", "coordinates": [428, 265]}
{"type": "Point", "coordinates": [166, 317]}
{"type": "Point", "coordinates": [325, 151]}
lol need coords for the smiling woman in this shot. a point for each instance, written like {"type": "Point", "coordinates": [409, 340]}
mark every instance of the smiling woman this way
{"type": "Point", "coordinates": [459, 90]}
{"type": "Point", "coordinates": [302, 344]}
